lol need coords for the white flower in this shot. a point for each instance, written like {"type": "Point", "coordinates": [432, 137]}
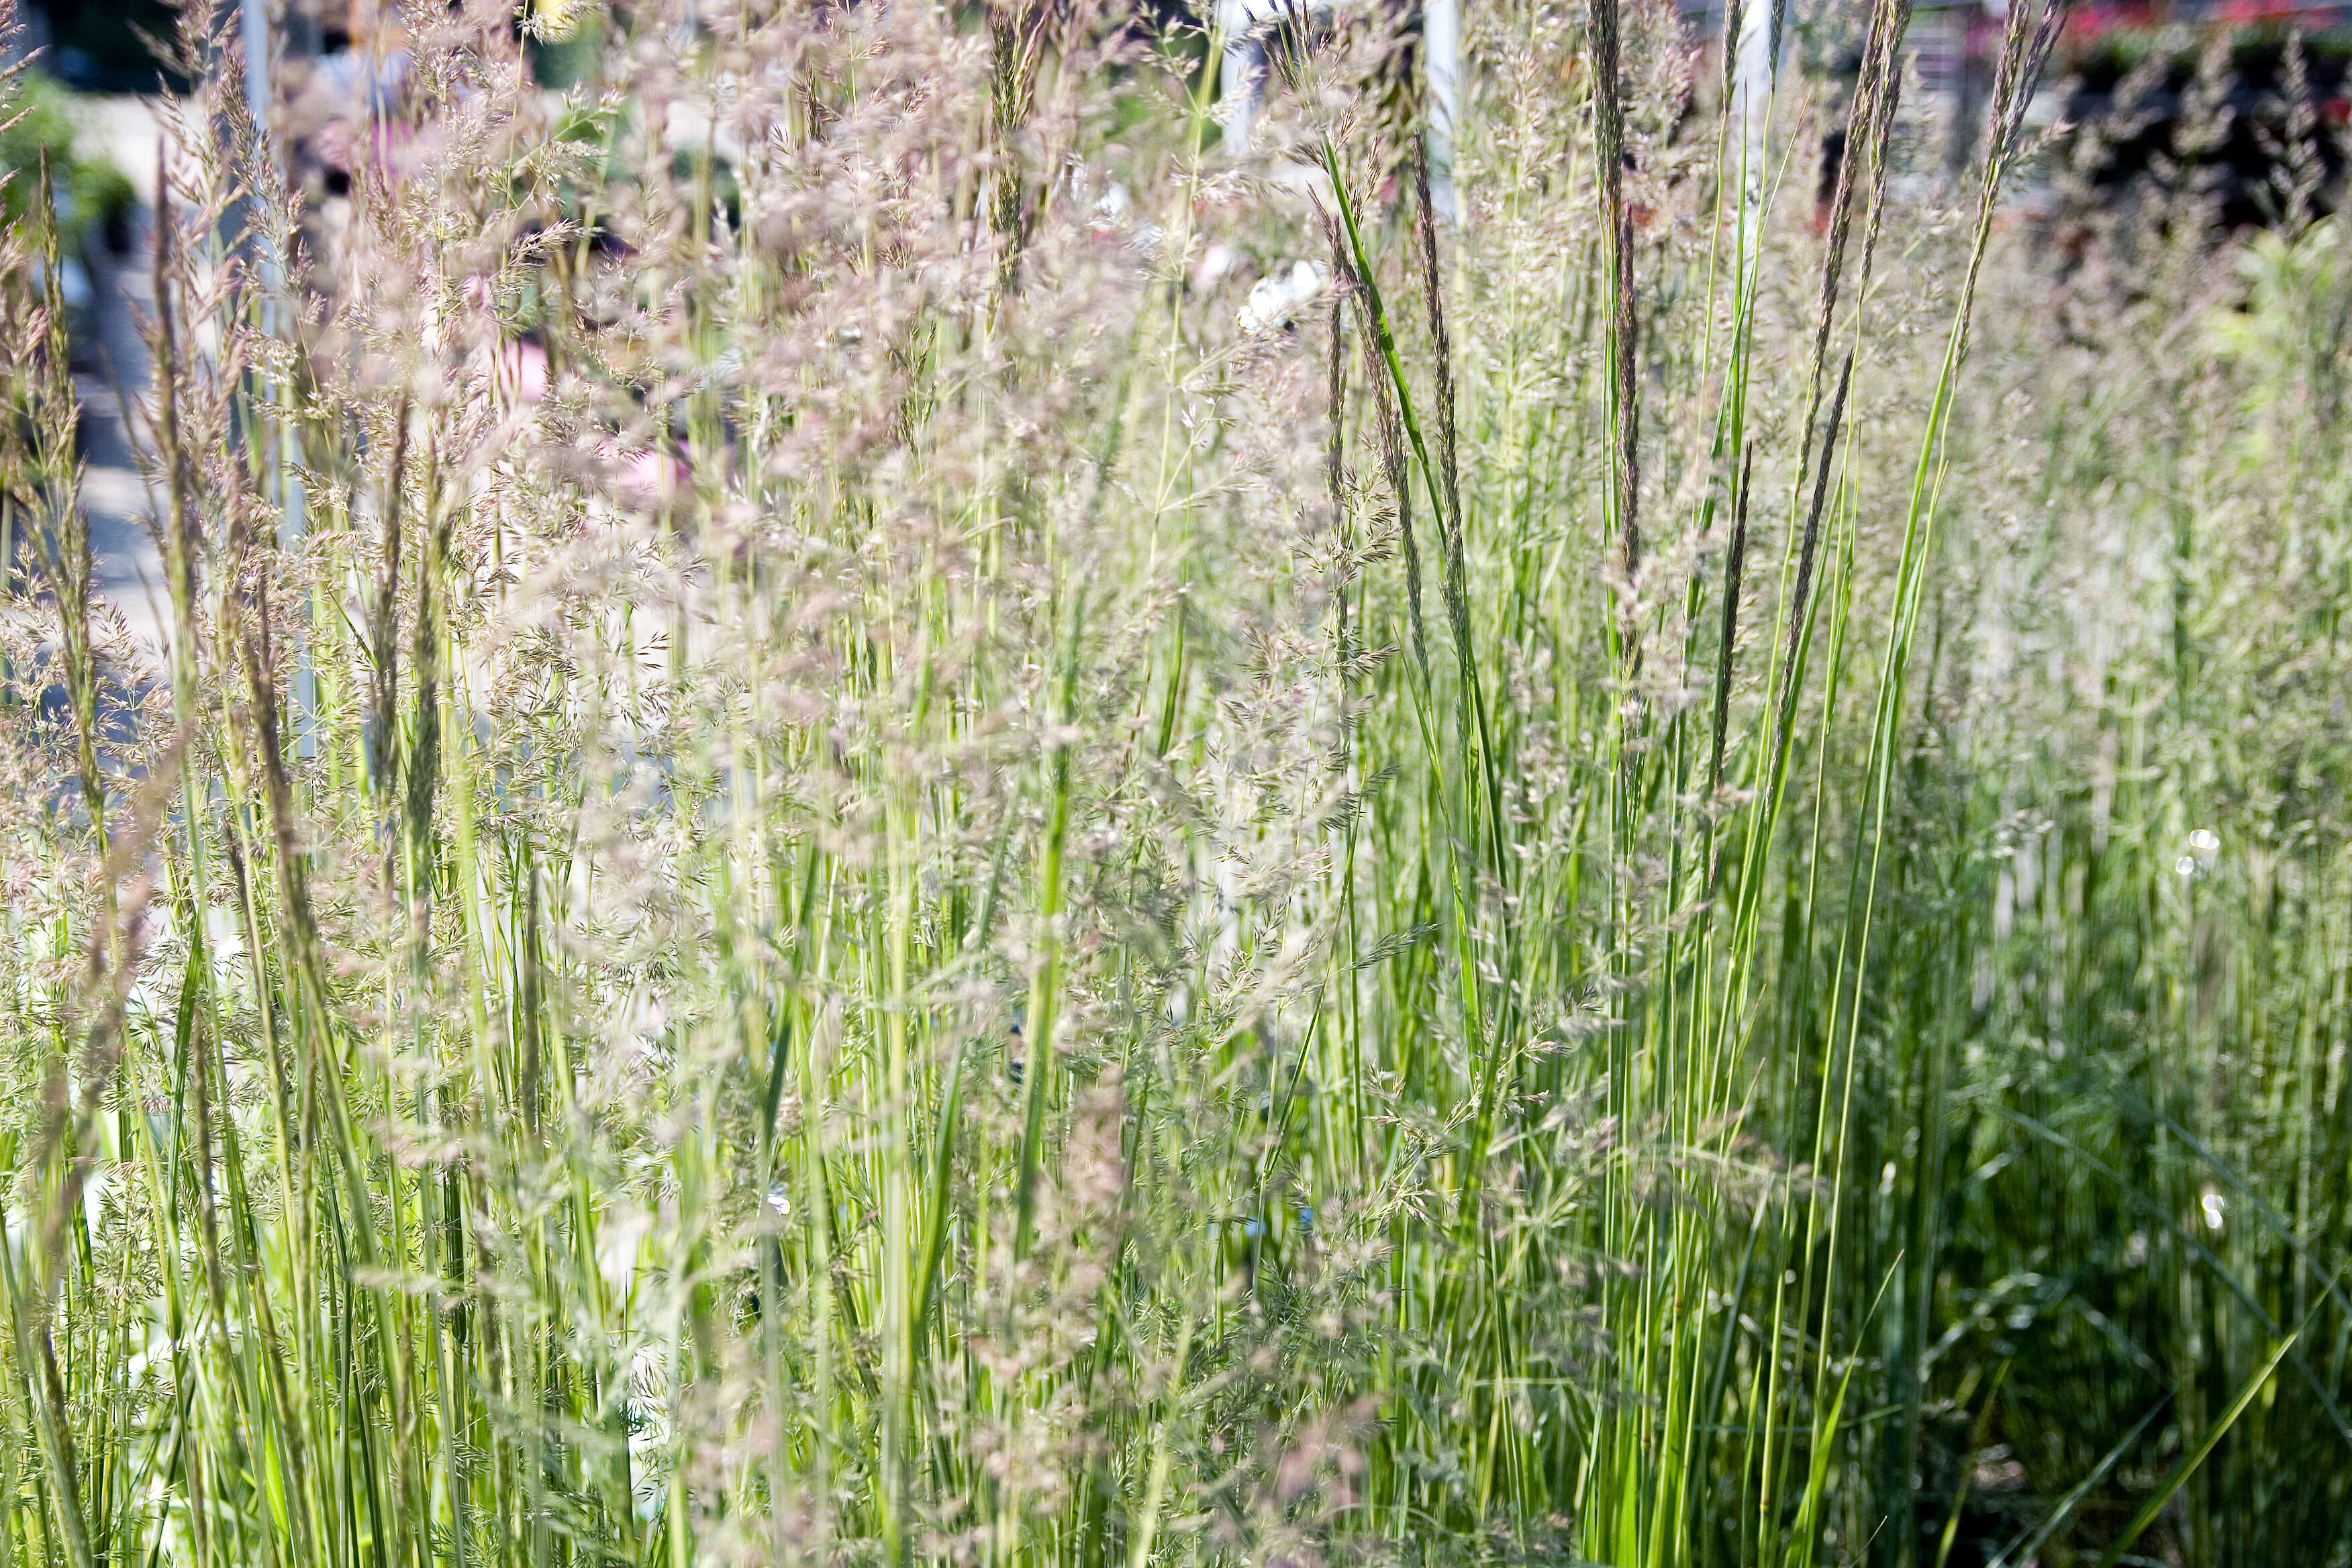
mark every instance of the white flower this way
{"type": "Point", "coordinates": [2205, 841]}
{"type": "Point", "coordinates": [1277, 298]}
{"type": "Point", "coordinates": [2186, 865]}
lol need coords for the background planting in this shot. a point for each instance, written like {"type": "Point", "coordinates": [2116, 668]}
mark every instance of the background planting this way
{"type": "Point", "coordinates": [899, 813]}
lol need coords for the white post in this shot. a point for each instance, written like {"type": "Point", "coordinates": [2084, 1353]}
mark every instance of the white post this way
{"type": "Point", "coordinates": [1240, 73]}
{"type": "Point", "coordinates": [254, 15]}
{"type": "Point", "coordinates": [1441, 36]}
{"type": "Point", "coordinates": [1752, 78]}
{"type": "Point", "coordinates": [1752, 114]}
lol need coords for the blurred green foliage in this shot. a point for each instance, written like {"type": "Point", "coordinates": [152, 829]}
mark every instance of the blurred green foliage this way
{"type": "Point", "coordinates": [90, 190]}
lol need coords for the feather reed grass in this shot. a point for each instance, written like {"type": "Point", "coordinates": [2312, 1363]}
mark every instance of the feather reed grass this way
{"type": "Point", "coordinates": [838, 907]}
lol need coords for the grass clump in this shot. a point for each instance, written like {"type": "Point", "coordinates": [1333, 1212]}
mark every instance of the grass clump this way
{"type": "Point", "coordinates": [897, 814]}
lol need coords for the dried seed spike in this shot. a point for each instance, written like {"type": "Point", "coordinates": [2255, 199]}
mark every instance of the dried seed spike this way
{"type": "Point", "coordinates": [1425, 230]}
{"type": "Point", "coordinates": [1734, 564]}
{"type": "Point", "coordinates": [1335, 464]}
{"type": "Point", "coordinates": [382, 621]}
{"type": "Point", "coordinates": [1868, 117]}
{"type": "Point", "coordinates": [1455, 582]}
{"type": "Point", "coordinates": [1810, 544]}
{"type": "Point", "coordinates": [1390, 431]}
{"type": "Point", "coordinates": [1806, 552]}
{"type": "Point", "coordinates": [1612, 158]}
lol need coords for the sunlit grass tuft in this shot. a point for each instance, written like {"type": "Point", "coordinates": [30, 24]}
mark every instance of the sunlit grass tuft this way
{"type": "Point", "coordinates": [843, 856]}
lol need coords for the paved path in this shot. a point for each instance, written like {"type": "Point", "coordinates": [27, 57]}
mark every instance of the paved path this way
{"type": "Point", "coordinates": [114, 356]}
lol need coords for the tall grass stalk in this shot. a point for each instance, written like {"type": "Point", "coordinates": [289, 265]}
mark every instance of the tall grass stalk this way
{"type": "Point", "coordinates": [883, 931]}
